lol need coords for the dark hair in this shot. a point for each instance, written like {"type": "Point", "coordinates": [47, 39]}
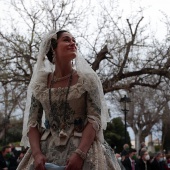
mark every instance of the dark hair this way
{"type": "Point", "coordinates": [158, 154]}
{"type": "Point", "coordinates": [4, 148]}
{"type": "Point", "coordinates": [132, 150]}
{"type": "Point", "coordinates": [143, 152]}
{"type": "Point", "coordinates": [54, 45]}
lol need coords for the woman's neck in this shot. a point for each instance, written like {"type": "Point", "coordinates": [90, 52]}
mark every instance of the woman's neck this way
{"type": "Point", "coordinates": [62, 71]}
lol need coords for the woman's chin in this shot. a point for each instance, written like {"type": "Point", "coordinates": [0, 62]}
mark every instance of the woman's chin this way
{"type": "Point", "coordinates": [73, 55]}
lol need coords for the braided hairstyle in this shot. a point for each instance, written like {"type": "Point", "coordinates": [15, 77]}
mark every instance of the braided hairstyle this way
{"type": "Point", "coordinates": [54, 45]}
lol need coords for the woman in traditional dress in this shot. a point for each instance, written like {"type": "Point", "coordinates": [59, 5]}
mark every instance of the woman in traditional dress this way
{"type": "Point", "coordinates": [72, 100]}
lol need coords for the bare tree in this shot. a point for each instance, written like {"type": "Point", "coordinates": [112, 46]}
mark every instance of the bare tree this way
{"type": "Point", "coordinates": [124, 55]}
{"type": "Point", "coordinates": [147, 108]}
{"type": "Point", "coordinates": [10, 101]}
{"type": "Point", "coordinates": [18, 49]}
{"type": "Point", "coordinates": [129, 58]}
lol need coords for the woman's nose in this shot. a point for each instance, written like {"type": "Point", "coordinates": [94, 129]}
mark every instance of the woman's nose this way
{"type": "Point", "coordinates": [73, 44]}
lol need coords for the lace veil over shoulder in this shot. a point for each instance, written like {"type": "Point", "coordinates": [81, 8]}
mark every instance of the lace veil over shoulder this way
{"type": "Point", "coordinates": [92, 84]}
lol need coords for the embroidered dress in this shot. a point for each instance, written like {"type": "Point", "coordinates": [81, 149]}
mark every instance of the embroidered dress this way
{"type": "Point", "coordinates": [80, 110]}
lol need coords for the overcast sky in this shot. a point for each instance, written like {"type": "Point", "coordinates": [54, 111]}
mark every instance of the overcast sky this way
{"type": "Point", "coordinates": [152, 13]}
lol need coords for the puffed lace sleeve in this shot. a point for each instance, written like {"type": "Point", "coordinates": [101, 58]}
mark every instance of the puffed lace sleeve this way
{"type": "Point", "coordinates": [35, 116]}
{"type": "Point", "coordinates": [93, 114]}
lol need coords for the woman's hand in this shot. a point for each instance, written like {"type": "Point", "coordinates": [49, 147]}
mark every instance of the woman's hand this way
{"type": "Point", "coordinates": [39, 161]}
{"type": "Point", "coordinates": [75, 162]}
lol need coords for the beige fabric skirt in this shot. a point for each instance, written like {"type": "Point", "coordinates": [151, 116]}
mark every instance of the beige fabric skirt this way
{"type": "Point", "coordinates": [99, 157]}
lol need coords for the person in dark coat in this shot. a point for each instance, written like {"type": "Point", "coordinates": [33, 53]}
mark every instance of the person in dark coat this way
{"type": "Point", "coordinates": [7, 160]}
{"type": "Point", "coordinates": [167, 166]}
{"type": "Point", "coordinates": [144, 161]}
{"type": "Point", "coordinates": [125, 150]}
{"type": "Point", "coordinates": [130, 163]}
{"type": "Point", "coordinates": [157, 163]}
{"type": "Point", "coordinates": [142, 147]}
{"type": "Point", "coordinates": [14, 151]}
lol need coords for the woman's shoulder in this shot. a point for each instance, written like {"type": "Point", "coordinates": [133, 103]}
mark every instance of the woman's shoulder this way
{"type": "Point", "coordinates": [89, 76]}
{"type": "Point", "coordinates": [90, 80]}
{"type": "Point", "coordinates": [43, 77]}
{"type": "Point", "coordinates": [40, 82]}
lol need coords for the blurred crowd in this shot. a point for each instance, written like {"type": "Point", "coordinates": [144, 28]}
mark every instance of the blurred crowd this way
{"type": "Point", "coordinates": [129, 159]}
{"type": "Point", "coordinates": [10, 157]}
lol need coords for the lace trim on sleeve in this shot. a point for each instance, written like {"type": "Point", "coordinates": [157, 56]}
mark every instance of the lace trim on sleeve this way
{"type": "Point", "coordinates": [33, 124]}
{"type": "Point", "coordinates": [95, 122]}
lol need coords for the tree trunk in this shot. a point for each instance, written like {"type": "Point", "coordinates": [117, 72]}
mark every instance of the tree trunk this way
{"type": "Point", "coordinates": [2, 134]}
{"type": "Point", "coordinates": [137, 140]}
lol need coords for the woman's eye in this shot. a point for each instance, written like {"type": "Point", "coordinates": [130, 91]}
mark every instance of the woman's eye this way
{"type": "Point", "coordinates": [70, 40]}
{"type": "Point", "coordinates": [66, 40]}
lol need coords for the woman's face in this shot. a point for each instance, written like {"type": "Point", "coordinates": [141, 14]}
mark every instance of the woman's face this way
{"type": "Point", "coordinates": [66, 48]}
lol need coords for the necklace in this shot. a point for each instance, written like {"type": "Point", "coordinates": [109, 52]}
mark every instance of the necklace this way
{"type": "Point", "coordinates": [62, 124]}
{"type": "Point", "coordinates": [55, 79]}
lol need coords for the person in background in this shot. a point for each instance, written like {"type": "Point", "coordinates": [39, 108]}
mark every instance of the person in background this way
{"type": "Point", "coordinates": [14, 151]}
{"type": "Point", "coordinates": [125, 151]}
{"type": "Point", "coordinates": [130, 162]}
{"type": "Point", "coordinates": [144, 161]}
{"type": "Point", "coordinates": [157, 163]}
{"type": "Point", "coordinates": [152, 157]}
{"type": "Point", "coordinates": [142, 147]}
{"type": "Point", "coordinates": [21, 155]}
{"type": "Point", "coordinates": [7, 160]}
{"type": "Point", "coordinates": [3, 157]}
{"type": "Point", "coordinates": [142, 150]}
{"type": "Point", "coordinates": [163, 162]}
{"type": "Point", "coordinates": [167, 166]}
{"type": "Point", "coordinates": [120, 161]}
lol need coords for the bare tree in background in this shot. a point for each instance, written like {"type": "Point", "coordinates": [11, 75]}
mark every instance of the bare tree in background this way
{"type": "Point", "coordinates": [18, 48]}
{"type": "Point", "coordinates": [10, 93]}
{"type": "Point", "coordinates": [147, 109]}
{"type": "Point", "coordinates": [120, 51]}
{"type": "Point", "coordinates": [128, 57]}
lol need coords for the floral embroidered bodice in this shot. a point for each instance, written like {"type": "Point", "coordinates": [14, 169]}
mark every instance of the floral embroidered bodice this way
{"type": "Point", "coordinates": [80, 109]}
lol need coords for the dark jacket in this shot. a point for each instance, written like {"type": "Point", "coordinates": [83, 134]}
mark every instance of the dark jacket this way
{"type": "Point", "coordinates": [155, 165]}
{"type": "Point", "coordinates": [2, 162]}
{"type": "Point", "coordinates": [124, 153]}
{"type": "Point", "coordinates": [167, 166]}
{"type": "Point", "coordinates": [12, 163]}
{"type": "Point", "coordinates": [142, 166]}
{"type": "Point", "coordinates": [127, 164]}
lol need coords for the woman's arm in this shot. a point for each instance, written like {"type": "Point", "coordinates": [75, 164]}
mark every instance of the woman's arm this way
{"type": "Point", "coordinates": [88, 136]}
{"type": "Point", "coordinates": [34, 124]}
{"type": "Point", "coordinates": [87, 139]}
{"type": "Point", "coordinates": [34, 139]}
{"type": "Point", "coordinates": [76, 162]}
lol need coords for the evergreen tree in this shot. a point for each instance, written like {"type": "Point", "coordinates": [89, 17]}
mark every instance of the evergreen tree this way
{"type": "Point", "coordinates": [114, 134]}
{"type": "Point", "coordinates": [13, 133]}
